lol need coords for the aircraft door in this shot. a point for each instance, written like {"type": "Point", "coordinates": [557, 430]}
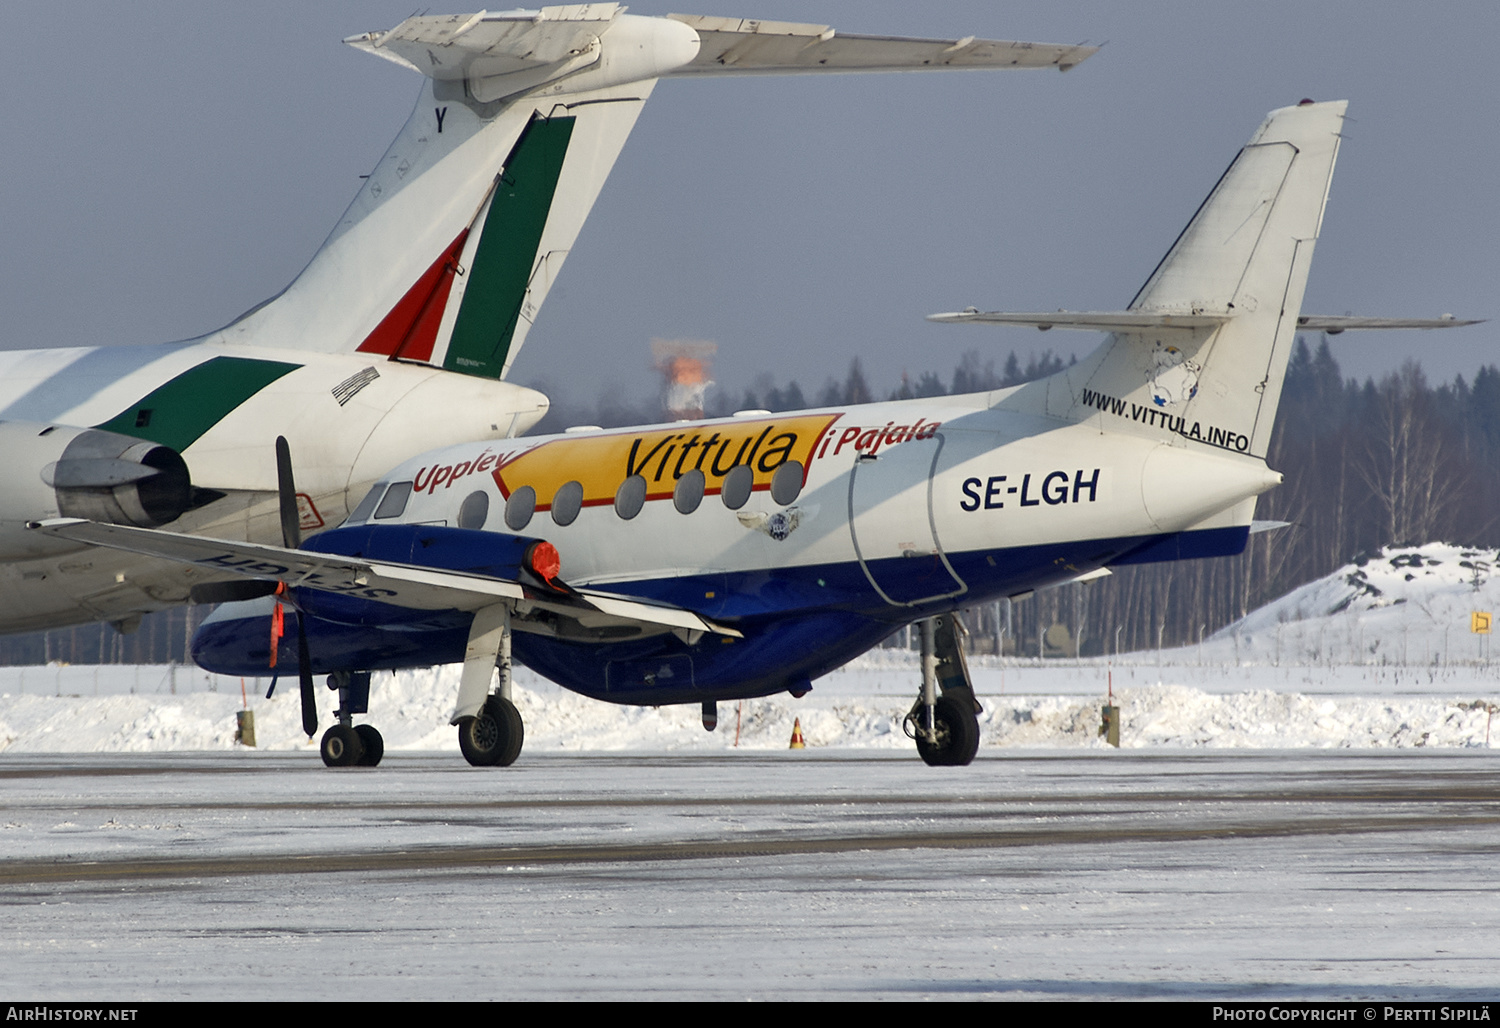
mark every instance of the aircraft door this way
{"type": "Point", "coordinates": [891, 523]}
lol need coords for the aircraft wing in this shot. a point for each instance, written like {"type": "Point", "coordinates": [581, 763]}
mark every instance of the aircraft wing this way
{"type": "Point", "coordinates": [403, 585]}
{"type": "Point", "coordinates": [742, 46]}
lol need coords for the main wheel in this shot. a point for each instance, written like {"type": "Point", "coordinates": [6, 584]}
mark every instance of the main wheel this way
{"type": "Point", "coordinates": [957, 731]}
{"type": "Point", "coordinates": [493, 738]}
{"type": "Point", "coordinates": [373, 743]}
{"type": "Point", "coordinates": [341, 747]}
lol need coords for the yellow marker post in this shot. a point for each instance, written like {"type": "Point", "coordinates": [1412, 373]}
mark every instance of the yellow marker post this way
{"type": "Point", "coordinates": [1479, 622]}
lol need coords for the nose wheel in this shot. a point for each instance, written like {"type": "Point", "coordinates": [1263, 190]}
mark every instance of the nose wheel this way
{"type": "Point", "coordinates": [347, 744]}
{"type": "Point", "coordinates": [352, 746]}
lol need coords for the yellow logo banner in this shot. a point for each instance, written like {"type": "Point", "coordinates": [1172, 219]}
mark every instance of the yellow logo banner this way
{"type": "Point", "coordinates": [601, 462]}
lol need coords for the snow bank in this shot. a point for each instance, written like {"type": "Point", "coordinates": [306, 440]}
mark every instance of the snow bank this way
{"type": "Point", "coordinates": [1407, 606]}
{"type": "Point", "coordinates": [411, 710]}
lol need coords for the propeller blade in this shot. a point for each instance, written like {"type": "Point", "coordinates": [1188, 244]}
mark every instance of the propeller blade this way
{"type": "Point", "coordinates": [304, 673]}
{"type": "Point", "coordinates": [286, 490]}
{"type": "Point", "coordinates": [291, 537]}
{"type": "Point", "coordinates": [231, 592]}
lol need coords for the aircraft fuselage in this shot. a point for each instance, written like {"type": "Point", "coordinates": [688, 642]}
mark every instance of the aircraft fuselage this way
{"type": "Point", "coordinates": [349, 417]}
{"type": "Point", "coordinates": [814, 533]}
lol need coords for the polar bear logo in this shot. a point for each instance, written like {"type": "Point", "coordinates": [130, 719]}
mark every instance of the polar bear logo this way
{"type": "Point", "coordinates": [1174, 378]}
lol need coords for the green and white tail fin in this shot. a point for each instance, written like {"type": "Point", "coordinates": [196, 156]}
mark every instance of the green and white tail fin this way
{"type": "Point", "coordinates": [450, 247]}
{"type": "Point", "coordinates": [1199, 356]}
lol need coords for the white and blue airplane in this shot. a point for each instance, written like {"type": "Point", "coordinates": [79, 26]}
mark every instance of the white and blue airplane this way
{"type": "Point", "coordinates": [397, 336]}
{"type": "Point", "coordinates": [704, 561]}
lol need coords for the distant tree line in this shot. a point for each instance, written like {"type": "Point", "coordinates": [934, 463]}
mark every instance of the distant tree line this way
{"type": "Point", "coordinates": [972, 375]}
{"type": "Point", "coordinates": [1394, 461]}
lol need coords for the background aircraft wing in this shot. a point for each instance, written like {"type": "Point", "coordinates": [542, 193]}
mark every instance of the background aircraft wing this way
{"type": "Point", "coordinates": [742, 46]}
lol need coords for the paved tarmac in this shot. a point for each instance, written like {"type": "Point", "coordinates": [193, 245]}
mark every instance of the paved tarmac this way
{"type": "Point", "coordinates": [1240, 875]}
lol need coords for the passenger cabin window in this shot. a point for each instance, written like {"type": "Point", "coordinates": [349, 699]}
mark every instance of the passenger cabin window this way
{"type": "Point", "coordinates": [520, 507]}
{"type": "Point", "coordinates": [786, 484]}
{"type": "Point", "coordinates": [474, 511]}
{"type": "Point", "coordinates": [394, 503]}
{"type": "Point", "coordinates": [630, 497]}
{"type": "Point", "coordinates": [735, 491]}
{"type": "Point", "coordinates": [689, 492]}
{"type": "Point", "coordinates": [567, 503]}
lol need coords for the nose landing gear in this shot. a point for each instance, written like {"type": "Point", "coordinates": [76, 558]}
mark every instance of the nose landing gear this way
{"type": "Point", "coordinates": [347, 744]}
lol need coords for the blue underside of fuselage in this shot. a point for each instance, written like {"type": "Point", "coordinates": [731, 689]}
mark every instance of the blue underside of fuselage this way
{"type": "Point", "coordinates": [797, 622]}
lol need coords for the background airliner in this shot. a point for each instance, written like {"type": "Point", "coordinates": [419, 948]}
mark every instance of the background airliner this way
{"type": "Point", "coordinates": [396, 337]}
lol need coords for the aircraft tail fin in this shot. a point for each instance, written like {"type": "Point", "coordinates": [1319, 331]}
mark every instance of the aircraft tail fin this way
{"type": "Point", "coordinates": [1203, 348]}
{"type": "Point", "coordinates": [448, 250]}
{"type": "Point", "coordinates": [454, 240]}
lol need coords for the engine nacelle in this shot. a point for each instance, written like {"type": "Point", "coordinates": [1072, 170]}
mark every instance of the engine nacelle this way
{"type": "Point", "coordinates": [60, 471]}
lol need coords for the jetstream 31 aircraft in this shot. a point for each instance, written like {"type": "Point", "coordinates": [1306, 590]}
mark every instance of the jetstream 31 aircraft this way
{"type": "Point", "coordinates": [396, 336]}
{"type": "Point", "coordinates": [713, 560]}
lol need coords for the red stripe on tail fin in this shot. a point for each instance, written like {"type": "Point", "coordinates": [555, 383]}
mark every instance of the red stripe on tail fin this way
{"type": "Point", "coordinates": [410, 330]}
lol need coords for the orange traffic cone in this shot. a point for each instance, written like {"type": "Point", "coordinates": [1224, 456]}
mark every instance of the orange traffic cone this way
{"type": "Point", "coordinates": [797, 743]}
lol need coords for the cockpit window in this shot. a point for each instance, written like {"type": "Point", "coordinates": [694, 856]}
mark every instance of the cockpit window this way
{"type": "Point", "coordinates": [366, 506]}
{"type": "Point", "coordinates": [394, 504]}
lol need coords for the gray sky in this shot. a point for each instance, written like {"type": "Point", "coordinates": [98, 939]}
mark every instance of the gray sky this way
{"type": "Point", "coordinates": [171, 164]}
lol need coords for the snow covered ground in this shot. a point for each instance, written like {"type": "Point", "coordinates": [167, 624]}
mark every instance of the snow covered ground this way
{"type": "Point", "coordinates": [811, 874]}
{"type": "Point", "coordinates": [1296, 813]}
{"type": "Point", "coordinates": [1378, 654]}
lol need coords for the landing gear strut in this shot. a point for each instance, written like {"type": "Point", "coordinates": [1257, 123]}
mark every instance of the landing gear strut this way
{"type": "Point", "coordinates": [492, 735]}
{"type": "Point", "coordinates": [945, 727]}
{"type": "Point", "coordinates": [347, 744]}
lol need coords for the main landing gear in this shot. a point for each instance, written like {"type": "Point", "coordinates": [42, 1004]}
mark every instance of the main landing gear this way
{"type": "Point", "coordinates": [946, 726]}
{"type": "Point", "coordinates": [347, 744]}
{"type": "Point", "coordinates": [494, 736]}
{"type": "Point", "coordinates": [490, 731]}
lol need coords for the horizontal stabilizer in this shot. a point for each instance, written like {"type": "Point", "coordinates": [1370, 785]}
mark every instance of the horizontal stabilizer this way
{"type": "Point", "coordinates": [453, 47]}
{"type": "Point", "coordinates": [402, 585]}
{"type": "Point", "coordinates": [1090, 321]}
{"type": "Point", "coordinates": [1142, 321]}
{"type": "Point", "coordinates": [736, 46]}
{"type": "Point", "coordinates": [1335, 324]}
